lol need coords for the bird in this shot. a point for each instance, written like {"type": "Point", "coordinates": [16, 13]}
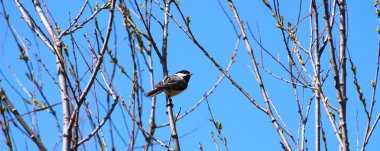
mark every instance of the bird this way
{"type": "Point", "coordinates": [172, 85]}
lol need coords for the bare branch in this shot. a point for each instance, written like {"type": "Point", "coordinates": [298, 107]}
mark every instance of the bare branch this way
{"type": "Point", "coordinates": [10, 106]}
{"type": "Point", "coordinates": [258, 78]}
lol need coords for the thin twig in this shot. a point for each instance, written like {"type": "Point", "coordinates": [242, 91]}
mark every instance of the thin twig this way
{"type": "Point", "coordinates": [333, 63]}
{"type": "Point", "coordinates": [369, 130]}
{"type": "Point", "coordinates": [195, 41]}
{"type": "Point", "coordinates": [10, 106]}
{"type": "Point", "coordinates": [97, 66]}
{"type": "Point", "coordinates": [258, 78]}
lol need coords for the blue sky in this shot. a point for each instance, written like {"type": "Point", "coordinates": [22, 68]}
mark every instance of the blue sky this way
{"type": "Point", "coordinates": [244, 126]}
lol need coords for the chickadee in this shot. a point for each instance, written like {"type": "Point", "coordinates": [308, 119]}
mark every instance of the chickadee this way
{"type": "Point", "coordinates": [172, 85]}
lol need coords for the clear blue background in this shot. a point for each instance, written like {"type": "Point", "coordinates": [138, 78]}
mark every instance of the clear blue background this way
{"type": "Point", "coordinates": [244, 126]}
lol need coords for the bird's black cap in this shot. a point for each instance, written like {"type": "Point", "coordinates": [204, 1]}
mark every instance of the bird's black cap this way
{"type": "Point", "coordinates": [184, 71]}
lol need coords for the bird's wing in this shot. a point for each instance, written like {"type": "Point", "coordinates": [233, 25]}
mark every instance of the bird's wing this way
{"type": "Point", "coordinates": [173, 82]}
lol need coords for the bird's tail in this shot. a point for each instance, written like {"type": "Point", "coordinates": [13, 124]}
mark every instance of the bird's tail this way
{"type": "Point", "coordinates": [154, 92]}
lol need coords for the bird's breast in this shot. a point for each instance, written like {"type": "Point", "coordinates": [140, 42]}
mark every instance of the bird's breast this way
{"type": "Point", "coordinates": [172, 92]}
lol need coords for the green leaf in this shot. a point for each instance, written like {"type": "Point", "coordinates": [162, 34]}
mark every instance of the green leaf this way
{"type": "Point", "coordinates": [280, 26]}
{"type": "Point", "coordinates": [219, 126]}
{"type": "Point", "coordinates": [373, 83]}
{"type": "Point", "coordinates": [188, 20]}
{"type": "Point", "coordinates": [3, 108]}
{"type": "Point", "coordinates": [58, 29]}
{"type": "Point", "coordinates": [143, 6]}
{"type": "Point", "coordinates": [26, 58]}
{"type": "Point", "coordinates": [96, 7]}
{"type": "Point", "coordinates": [121, 69]}
{"type": "Point", "coordinates": [113, 60]}
{"type": "Point", "coordinates": [266, 3]}
{"type": "Point", "coordinates": [66, 50]}
{"type": "Point", "coordinates": [36, 103]}
{"type": "Point", "coordinates": [107, 6]}
{"type": "Point", "coordinates": [332, 114]}
{"type": "Point", "coordinates": [27, 101]}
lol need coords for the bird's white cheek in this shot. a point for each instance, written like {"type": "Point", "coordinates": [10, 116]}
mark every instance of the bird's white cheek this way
{"type": "Point", "coordinates": [181, 75]}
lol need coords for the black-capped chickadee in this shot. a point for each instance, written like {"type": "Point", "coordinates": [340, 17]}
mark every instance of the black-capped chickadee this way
{"type": "Point", "coordinates": [172, 85]}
